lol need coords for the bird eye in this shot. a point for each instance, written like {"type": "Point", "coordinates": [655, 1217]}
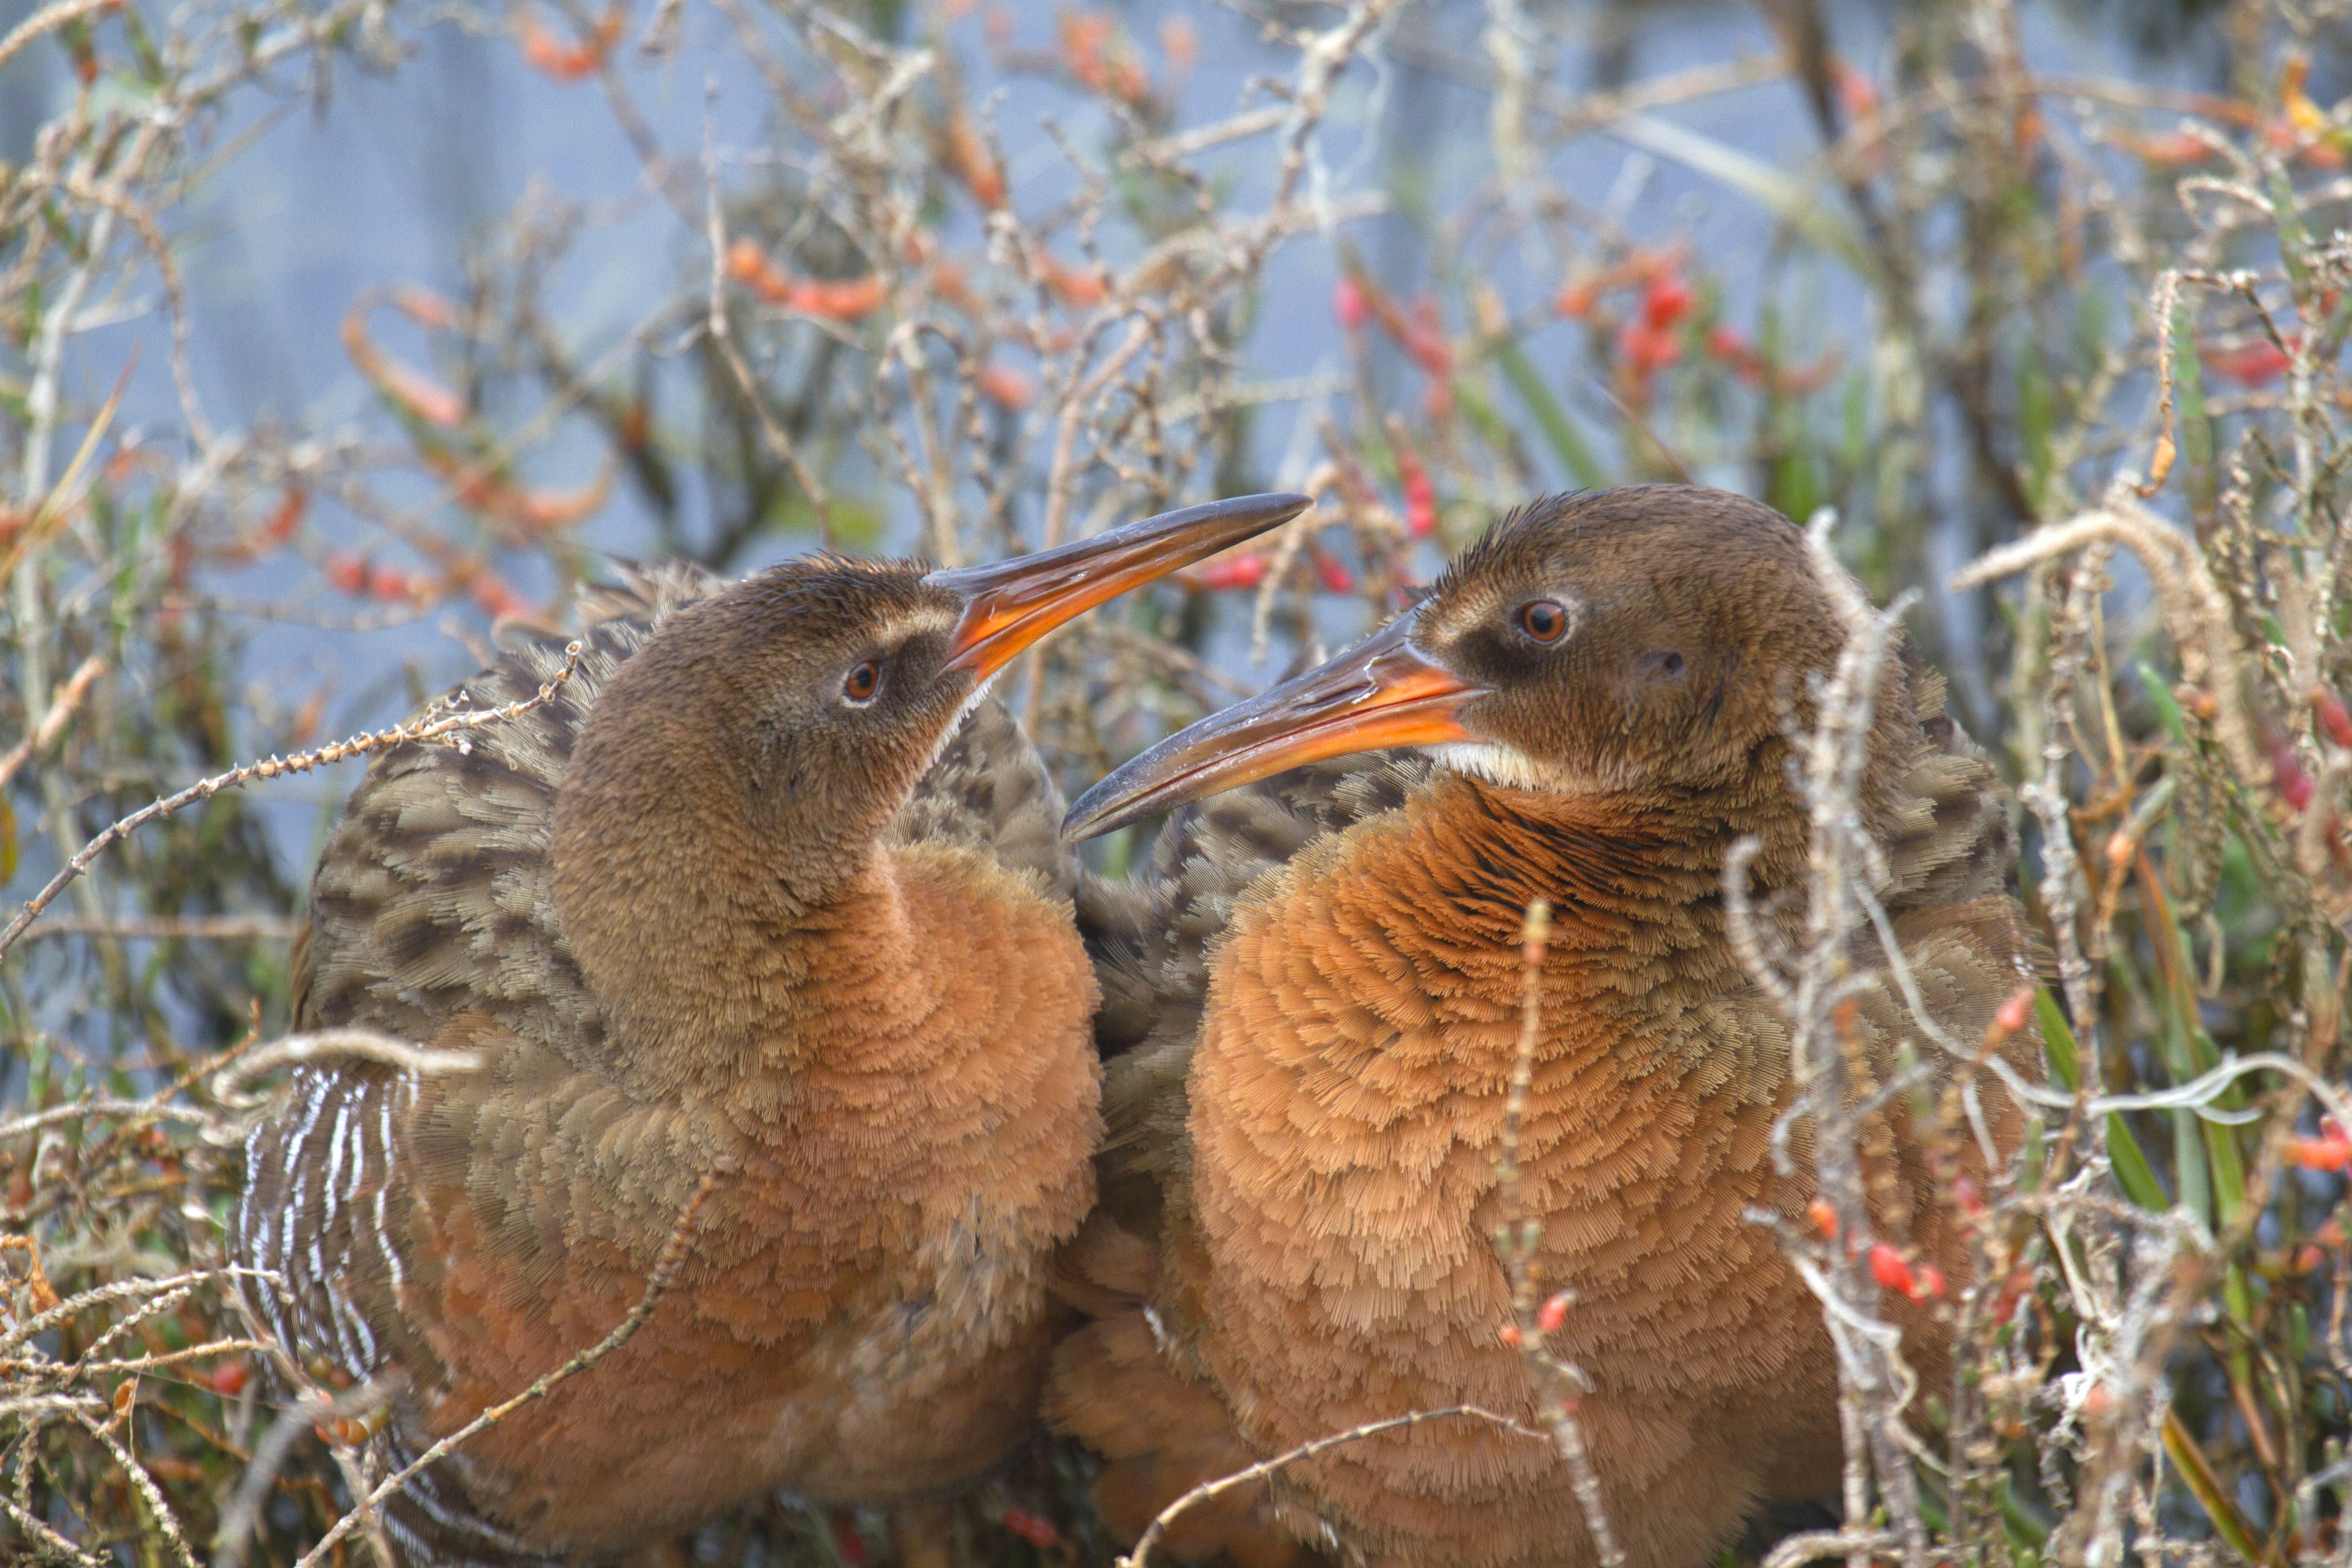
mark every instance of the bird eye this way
{"type": "Point", "coordinates": [863, 683]}
{"type": "Point", "coordinates": [1543, 620]}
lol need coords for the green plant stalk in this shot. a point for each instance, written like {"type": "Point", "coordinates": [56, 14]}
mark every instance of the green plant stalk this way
{"type": "Point", "coordinates": [2133, 1173]}
{"type": "Point", "coordinates": [2196, 1471]}
{"type": "Point", "coordinates": [2193, 1179]}
{"type": "Point", "coordinates": [1491, 426]}
{"type": "Point", "coordinates": [2025, 1532]}
{"type": "Point", "coordinates": [2215, 1157]}
{"type": "Point", "coordinates": [1550, 416]}
{"type": "Point", "coordinates": [2190, 1050]}
{"type": "Point", "coordinates": [2037, 415]}
{"type": "Point", "coordinates": [2159, 697]}
{"type": "Point", "coordinates": [2294, 240]}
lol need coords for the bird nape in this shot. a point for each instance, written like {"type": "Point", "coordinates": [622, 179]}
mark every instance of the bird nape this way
{"type": "Point", "coordinates": [765, 904]}
{"type": "Point", "coordinates": [1300, 1181]}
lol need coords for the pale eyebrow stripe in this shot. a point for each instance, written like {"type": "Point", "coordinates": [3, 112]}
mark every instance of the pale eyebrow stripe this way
{"type": "Point", "coordinates": [897, 630]}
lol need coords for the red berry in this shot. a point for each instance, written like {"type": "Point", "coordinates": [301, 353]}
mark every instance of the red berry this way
{"type": "Point", "coordinates": [1422, 338]}
{"type": "Point", "coordinates": [2332, 716]}
{"type": "Point", "coordinates": [1553, 1313]}
{"type": "Point", "coordinates": [2014, 1010]}
{"type": "Point", "coordinates": [2294, 788]}
{"type": "Point", "coordinates": [287, 517]}
{"type": "Point", "coordinates": [1420, 495]}
{"type": "Point", "coordinates": [1577, 299]}
{"type": "Point", "coordinates": [496, 597]}
{"type": "Point", "coordinates": [1347, 304]}
{"type": "Point", "coordinates": [1965, 1196]}
{"type": "Point", "coordinates": [846, 1539]}
{"type": "Point", "coordinates": [1509, 1334]}
{"type": "Point", "coordinates": [1337, 578]}
{"type": "Point", "coordinates": [1233, 572]}
{"type": "Point", "coordinates": [2319, 1154]}
{"type": "Point", "coordinates": [1930, 1284]}
{"type": "Point", "coordinates": [2250, 364]}
{"type": "Point", "coordinates": [348, 574]}
{"type": "Point", "coordinates": [230, 1377]}
{"type": "Point", "coordinates": [1038, 1533]}
{"type": "Point", "coordinates": [1886, 1266]}
{"type": "Point", "coordinates": [2294, 784]}
{"type": "Point", "coordinates": [1646, 348]}
{"type": "Point", "coordinates": [1006, 387]}
{"type": "Point", "coordinates": [1667, 297]}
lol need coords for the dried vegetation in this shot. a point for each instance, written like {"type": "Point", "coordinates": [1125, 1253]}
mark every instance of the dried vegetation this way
{"type": "Point", "coordinates": [2083, 332]}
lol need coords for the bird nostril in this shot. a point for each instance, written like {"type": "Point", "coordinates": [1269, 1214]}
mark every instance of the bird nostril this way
{"type": "Point", "coordinates": [1345, 697]}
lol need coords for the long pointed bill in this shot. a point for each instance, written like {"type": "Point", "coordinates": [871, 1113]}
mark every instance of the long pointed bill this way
{"type": "Point", "coordinates": [1382, 692]}
{"type": "Point", "coordinates": [1008, 604]}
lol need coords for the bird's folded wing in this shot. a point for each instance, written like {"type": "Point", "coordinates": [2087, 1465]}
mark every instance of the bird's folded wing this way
{"type": "Point", "coordinates": [325, 1218]}
{"type": "Point", "coordinates": [1953, 844]}
{"type": "Point", "coordinates": [435, 893]}
{"type": "Point", "coordinates": [480, 1203]}
{"type": "Point", "coordinates": [645, 592]}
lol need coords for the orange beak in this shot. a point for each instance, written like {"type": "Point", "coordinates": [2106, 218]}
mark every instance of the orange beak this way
{"type": "Point", "coordinates": [1008, 604]}
{"type": "Point", "coordinates": [1382, 692]}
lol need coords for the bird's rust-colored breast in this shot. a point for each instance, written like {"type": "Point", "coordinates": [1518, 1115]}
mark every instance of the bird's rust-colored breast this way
{"type": "Point", "coordinates": [875, 1245]}
{"type": "Point", "coordinates": [1347, 1104]}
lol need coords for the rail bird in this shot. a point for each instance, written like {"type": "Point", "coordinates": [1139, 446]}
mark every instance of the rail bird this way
{"type": "Point", "coordinates": [1316, 1036]}
{"type": "Point", "coordinates": [769, 892]}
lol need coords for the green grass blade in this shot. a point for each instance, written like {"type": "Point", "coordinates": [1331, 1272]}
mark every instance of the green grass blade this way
{"type": "Point", "coordinates": [2133, 1173]}
{"type": "Point", "coordinates": [1550, 416]}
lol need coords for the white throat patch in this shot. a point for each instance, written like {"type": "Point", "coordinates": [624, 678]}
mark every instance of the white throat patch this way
{"type": "Point", "coordinates": [1495, 763]}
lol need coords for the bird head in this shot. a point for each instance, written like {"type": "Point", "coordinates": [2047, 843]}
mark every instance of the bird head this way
{"type": "Point", "coordinates": [1645, 640]}
{"type": "Point", "coordinates": [775, 727]}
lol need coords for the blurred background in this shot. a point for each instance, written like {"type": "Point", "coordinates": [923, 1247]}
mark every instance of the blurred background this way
{"type": "Point", "coordinates": [340, 338]}
{"type": "Point", "coordinates": [435, 338]}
